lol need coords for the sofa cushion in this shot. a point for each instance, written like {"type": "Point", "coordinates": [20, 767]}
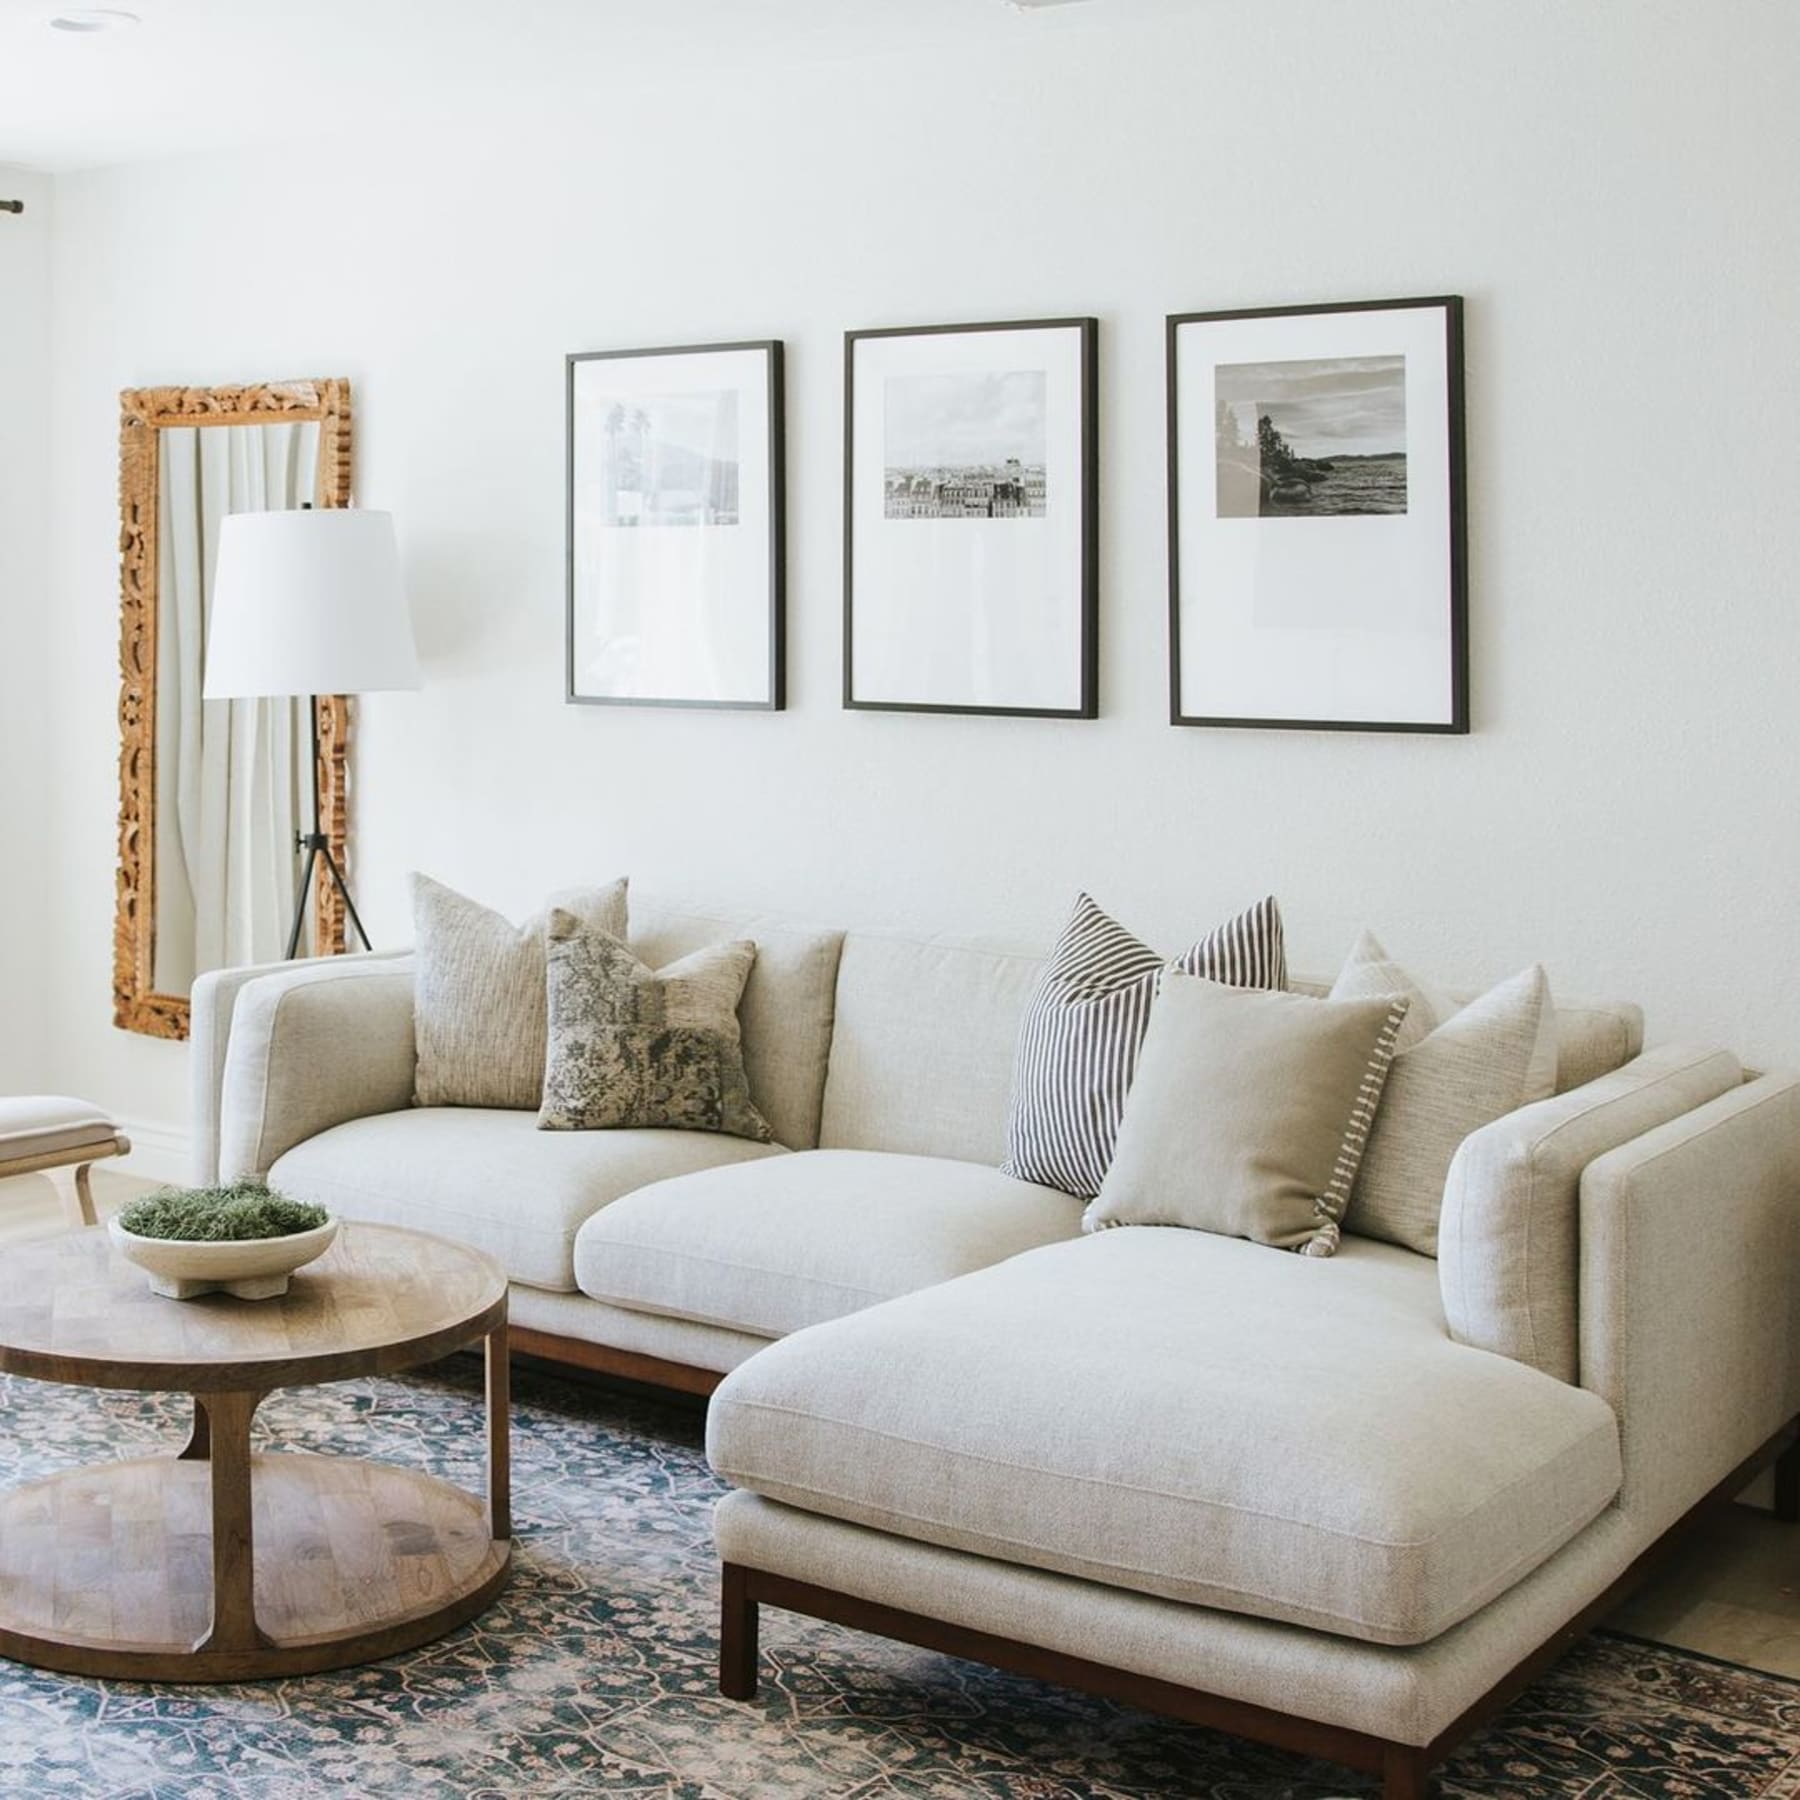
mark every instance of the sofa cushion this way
{"type": "Point", "coordinates": [1187, 1416]}
{"type": "Point", "coordinates": [1593, 1038]}
{"type": "Point", "coordinates": [785, 1014]}
{"type": "Point", "coordinates": [490, 1178]}
{"type": "Point", "coordinates": [769, 1248]}
{"type": "Point", "coordinates": [34, 1125]}
{"type": "Point", "coordinates": [922, 1049]}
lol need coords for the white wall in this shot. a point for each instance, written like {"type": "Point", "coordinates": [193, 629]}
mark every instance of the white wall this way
{"type": "Point", "coordinates": [1612, 187]}
{"type": "Point", "coordinates": [25, 1061]}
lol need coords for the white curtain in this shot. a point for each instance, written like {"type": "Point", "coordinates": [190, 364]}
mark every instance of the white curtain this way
{"type": "Point", "coordinates": [232, 779]}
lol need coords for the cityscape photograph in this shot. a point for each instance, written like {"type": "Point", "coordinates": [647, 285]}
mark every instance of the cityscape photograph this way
{"type": "Point", "coordinates": [965, 445]}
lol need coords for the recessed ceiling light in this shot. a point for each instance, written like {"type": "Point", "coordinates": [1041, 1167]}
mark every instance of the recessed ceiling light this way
{"type": "Point", "coordinates": [94, 18]}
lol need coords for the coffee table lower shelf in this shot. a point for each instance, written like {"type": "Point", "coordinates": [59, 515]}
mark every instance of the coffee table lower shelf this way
{"type": "Point", "coordinates": [109, 1570]}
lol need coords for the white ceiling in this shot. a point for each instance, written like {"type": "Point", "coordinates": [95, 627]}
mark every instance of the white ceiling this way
{"type": "Point", "coordinates": [209, 74]}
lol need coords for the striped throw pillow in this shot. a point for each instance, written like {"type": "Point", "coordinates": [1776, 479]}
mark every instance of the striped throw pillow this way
{"type": "Point", "coordinates": [1084, 1026]}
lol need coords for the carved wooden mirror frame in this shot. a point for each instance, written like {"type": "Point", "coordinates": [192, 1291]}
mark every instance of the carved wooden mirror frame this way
{"type": "Point", "coordinates": [143, 412]}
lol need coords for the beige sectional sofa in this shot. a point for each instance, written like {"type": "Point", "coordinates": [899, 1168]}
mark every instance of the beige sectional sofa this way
{"type": "Point", "coordinates": [1346, 1504]}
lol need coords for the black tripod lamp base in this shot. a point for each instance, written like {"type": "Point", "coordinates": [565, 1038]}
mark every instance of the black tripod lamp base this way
{"type": "Point", "coordinates": [318, 848]}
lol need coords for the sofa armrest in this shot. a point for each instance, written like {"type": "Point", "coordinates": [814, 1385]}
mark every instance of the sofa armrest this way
{"type": "Point", "coordinates": [312, 1047]}
{"type": "Point", "coordinates": [1509, 1238]}
{"type": "Point", "coordinates": [1690, 1271]}
{"type": "Point", "coordinates": [211, 1005]}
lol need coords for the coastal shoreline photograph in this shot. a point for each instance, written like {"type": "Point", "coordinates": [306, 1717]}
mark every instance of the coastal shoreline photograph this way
{"type": "Point", "coordinates": [1322, 437]}
{"type": "Point", "coordinates": [965, 446]}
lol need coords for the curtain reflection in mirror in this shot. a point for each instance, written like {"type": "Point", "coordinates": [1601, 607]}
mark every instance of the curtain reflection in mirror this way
{"type": "Point", "coordinates": [230, 774]}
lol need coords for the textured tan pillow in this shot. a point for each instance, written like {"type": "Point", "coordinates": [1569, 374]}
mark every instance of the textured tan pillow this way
{"type": "Point", "coordinates": [1248, 1113]}
{"type": "Point", "coordinates": [1370, 971]}
{"type": "Point", "coordinates": [1474, 1066]}
{"type": "Point", "coordinates": [478, 995]}
{"type": "Point", "coordinates": [635, 1046]}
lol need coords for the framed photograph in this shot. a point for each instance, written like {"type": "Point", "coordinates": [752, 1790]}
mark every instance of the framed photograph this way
{"type": "Point", "coordinates": [971, 575]}
{"type": "Point", "coordinates": [675, 527]}
{"type": "Point", "coordinates": [1317, 528]}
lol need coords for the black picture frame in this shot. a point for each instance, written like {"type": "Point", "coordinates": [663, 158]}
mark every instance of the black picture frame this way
{"type": "Point", "coordinates": [773, 351]}
{"type": "Point", "coordinates": [1456, 597]}
{"type": "Point", "coordinates": [1088, 704]}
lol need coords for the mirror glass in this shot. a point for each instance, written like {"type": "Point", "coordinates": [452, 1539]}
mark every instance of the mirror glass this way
{"type": "Point", "coordinates": [229, 773]}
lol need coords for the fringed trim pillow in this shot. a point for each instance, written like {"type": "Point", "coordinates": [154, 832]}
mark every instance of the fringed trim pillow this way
{"type": "Point", "coordinates": [1249, 1114]}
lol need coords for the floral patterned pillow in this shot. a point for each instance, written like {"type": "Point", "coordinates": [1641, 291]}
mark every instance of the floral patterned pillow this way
{"type": "Point", "coordinates": [636, 1046]}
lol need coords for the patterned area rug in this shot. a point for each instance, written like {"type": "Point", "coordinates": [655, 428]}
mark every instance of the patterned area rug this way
{"type": "Point", "coordinates": [594, 1673]}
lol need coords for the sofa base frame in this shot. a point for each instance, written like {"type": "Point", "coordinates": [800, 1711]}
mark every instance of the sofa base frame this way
{"type": "Point", "coordinates": [1404, 1769]}
{"type": "Point", "coordinates": [624, 1365]}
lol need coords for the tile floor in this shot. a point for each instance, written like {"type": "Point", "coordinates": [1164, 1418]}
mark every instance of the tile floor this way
{"type": "Point", "coordinates": [1732, 1592]}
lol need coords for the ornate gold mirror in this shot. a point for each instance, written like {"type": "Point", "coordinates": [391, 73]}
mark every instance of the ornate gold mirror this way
{"type": "Point", "coordinates": [213, 793]}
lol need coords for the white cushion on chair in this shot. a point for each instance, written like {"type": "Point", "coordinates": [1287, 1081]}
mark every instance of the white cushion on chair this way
{"type": "Point", "coordinates": [34, 1125]}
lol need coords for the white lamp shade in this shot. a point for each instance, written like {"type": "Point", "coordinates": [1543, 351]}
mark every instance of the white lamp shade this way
{"type": "Point", "coordinates": [308, 602]}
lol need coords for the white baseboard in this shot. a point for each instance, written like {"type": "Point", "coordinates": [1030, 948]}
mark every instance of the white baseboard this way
{"type": "Point", "coordinates": [159, 1151]}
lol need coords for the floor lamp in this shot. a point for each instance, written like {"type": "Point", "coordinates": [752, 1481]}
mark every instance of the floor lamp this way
{"type": "Point", "coordinates": [307, 603]}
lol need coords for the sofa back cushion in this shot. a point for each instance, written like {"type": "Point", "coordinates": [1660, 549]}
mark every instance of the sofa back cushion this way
{"type": "Point", "coordinates": [786, 1012]}
{"type": "Point", "coordinates": [922, 1050]}
{"type": "Point", "coordinates": [1593, 1038]}
{"type": "Point", "coordinates": [927, 1029]}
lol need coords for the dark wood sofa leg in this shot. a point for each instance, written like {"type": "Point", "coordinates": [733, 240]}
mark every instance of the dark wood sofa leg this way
{"type": "Point", "coordinates": [1405, 1774]}
{"type": "Point", "coordinates": [1787, 1484]}
{"type": "Point", "coordinates": [737, 1634]}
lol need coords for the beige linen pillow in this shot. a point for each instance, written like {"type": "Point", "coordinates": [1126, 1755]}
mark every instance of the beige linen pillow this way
{"type": "Point", "coordinates": [635, 1046]}
{"type": "Point", "coordinates": [478, 994]}
{"type": "Point", "coordinates": [1248, 1113]}
{"type": "Point", "coordinates": [1470, 1067]}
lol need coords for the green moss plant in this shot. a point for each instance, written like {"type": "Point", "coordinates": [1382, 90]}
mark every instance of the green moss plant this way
{"type": "Point", "coordinates": [236, 1213]}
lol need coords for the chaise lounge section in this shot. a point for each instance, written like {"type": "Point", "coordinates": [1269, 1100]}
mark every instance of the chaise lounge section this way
{"type": "Point", "coordinates": [1276, 1495]}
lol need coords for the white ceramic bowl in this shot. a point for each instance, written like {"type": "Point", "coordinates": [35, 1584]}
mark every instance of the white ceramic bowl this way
{"type": "Point", "coordinates": [250, 1268]}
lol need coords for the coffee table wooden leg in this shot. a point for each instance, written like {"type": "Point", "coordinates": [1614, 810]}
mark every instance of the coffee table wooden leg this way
{"type": "Point", "coordinates": [499, 1424]}
{"type": "Point", "coordinates": [199, 1445]}
{"type": "Point", "coordinates": [233, 1559]}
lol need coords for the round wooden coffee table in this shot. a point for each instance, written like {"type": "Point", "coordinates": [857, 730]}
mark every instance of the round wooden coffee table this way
{"type": "Point", "coordinates": [217, 1564]}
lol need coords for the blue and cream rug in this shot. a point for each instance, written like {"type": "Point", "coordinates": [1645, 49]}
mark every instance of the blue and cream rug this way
{"type": "Point", "coordinates": [594, 1673]}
